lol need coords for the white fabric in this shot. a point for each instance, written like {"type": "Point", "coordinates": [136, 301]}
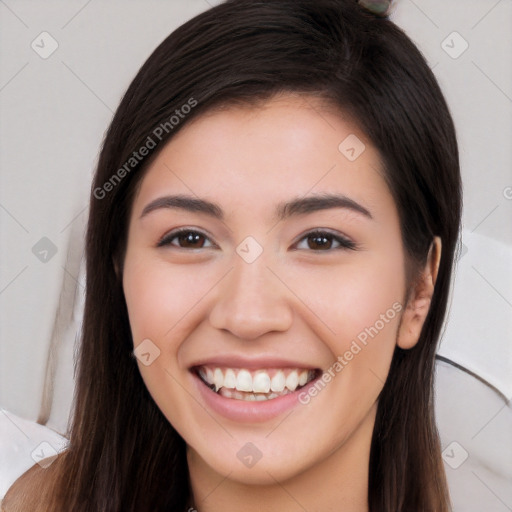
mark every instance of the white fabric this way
{"type": "Point", "coordinates": [478, 332]}
{"type": "Point", "coordinates": [474, 422]}
{"type": "Point", "coordinates": [24, 443]}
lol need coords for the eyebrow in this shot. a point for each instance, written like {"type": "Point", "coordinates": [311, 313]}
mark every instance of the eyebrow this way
{"type": "Point", "coordinates": [294, 207]}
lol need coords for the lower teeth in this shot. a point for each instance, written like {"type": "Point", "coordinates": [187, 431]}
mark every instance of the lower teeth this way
{"type": "Point", "coordinates": [250, 397]}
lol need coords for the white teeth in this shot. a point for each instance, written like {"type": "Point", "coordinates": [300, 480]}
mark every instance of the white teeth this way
{"type": "Point", "coordinates": [261, 383]}
{"type": "Point", "coordinates": [218, 378]}
{"type": "Point", "coordinates": [255, 386]}
{"type": "Point", "coordinates": [278, 382]}
{"type": "Point", "coordinates": [303, 377]}
{"type": "Point", "coordinates": [244, 381]}
{"type": "Point", "coordinates": [230, 379]}
{"type": "Point", "coordinates": [292, 381]}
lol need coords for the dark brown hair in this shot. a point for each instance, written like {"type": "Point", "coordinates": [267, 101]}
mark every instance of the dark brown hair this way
{"type": "Point", "coordinates": [123, 453]}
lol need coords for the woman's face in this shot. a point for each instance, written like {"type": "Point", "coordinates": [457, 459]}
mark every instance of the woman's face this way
{"type": "Point", "coordinates": [264, 250]}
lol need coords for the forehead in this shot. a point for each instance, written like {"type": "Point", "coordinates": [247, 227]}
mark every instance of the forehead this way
{"type": "Point", "coordinates": [252, 156]}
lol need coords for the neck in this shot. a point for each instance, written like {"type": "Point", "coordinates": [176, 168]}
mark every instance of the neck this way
{"type": "Point", "coordinates": [339, 481]}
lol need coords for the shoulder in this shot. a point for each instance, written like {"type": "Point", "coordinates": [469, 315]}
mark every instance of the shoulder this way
{"type": "Point", "coordinates": [27, 493]}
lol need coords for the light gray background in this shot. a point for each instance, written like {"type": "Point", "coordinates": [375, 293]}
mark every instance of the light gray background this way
{"type": "Point", "coordinates": [54, 112]}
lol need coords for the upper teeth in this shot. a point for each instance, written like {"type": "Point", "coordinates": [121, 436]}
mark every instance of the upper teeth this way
{"type": "Point", "coordinates": [259, 381]}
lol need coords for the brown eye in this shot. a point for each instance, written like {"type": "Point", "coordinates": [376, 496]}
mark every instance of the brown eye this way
{"type": "Point", "coordinates": [191, 239]}
{"type": "Point", "coordinates": [325, 241]}
{"type": "Point", "coordinates": [185, 239]}
{"type": "Point", "coordinates": [319, 242]}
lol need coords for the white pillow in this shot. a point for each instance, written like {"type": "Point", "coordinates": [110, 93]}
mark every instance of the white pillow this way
{"type": "Point", "coordinates": [24, 443]}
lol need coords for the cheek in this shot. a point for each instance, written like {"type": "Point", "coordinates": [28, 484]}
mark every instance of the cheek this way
{"type": "Point", "coordinates": [352, 297]}
{"type": "Point", "coordinates": [361, 303]}
{"type": "Point", "coordinates": [160, 305]}
{"type": "Point", "coordinates": [159, 297]}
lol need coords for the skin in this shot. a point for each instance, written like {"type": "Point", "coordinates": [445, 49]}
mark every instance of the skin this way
{"type": "Point", "coordinates": [295, 300]}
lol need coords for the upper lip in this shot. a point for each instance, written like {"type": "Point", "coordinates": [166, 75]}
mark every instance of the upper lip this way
{"type": "Point", "coordinates": [253, 363]}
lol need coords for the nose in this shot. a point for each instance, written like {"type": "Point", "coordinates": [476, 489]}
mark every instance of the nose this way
{"type": "Point", "coordinates": [251, 301]}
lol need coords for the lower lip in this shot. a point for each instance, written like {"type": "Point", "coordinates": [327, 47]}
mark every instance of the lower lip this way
{"type": "Point", "coordinates": [248, 412]}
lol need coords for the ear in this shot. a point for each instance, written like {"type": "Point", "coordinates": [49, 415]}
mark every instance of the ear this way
{"type": "Point", "coordinates": [418, 304]}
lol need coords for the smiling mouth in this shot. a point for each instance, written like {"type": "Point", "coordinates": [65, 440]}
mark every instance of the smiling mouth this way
{"type": "Point", "coordinates": [257, 385]}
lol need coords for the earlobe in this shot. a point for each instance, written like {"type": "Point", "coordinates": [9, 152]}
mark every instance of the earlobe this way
{"type": "Point", "coordinates": [420, 298]}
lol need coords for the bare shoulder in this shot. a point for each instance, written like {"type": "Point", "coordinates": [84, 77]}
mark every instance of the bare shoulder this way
{"type": "Point", "coordinates": [29, 493]}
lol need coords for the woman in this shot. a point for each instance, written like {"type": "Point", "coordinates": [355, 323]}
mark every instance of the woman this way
{"type": "Point", "coordinates": [272, 231]}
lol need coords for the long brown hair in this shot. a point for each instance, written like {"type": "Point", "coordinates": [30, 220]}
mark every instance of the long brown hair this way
{"type": "Point", "coordinates": [123, 454]}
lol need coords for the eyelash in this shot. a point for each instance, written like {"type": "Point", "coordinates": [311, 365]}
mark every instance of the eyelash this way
{"type": "Point", "coordinates": [344, 243]}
